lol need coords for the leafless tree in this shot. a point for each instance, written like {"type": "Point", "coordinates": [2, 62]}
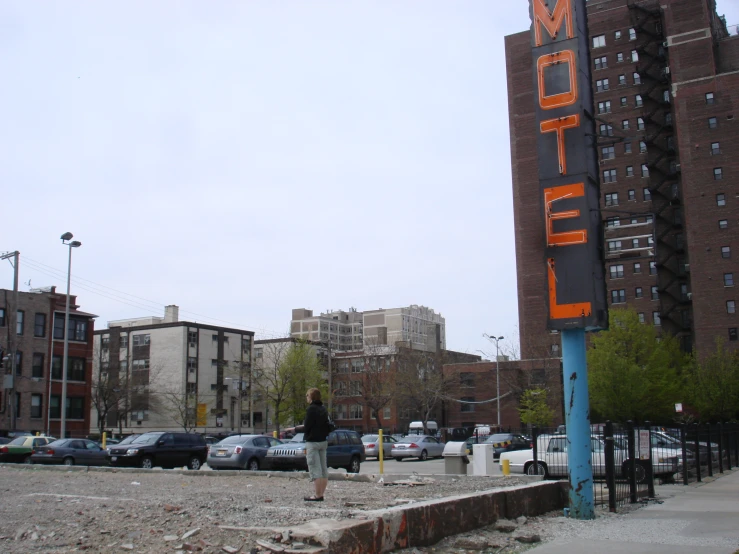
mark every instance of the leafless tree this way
{"type": "Point", "coordinates": [377, 384]}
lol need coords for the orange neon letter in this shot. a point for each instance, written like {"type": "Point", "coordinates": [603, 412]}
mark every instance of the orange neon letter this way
{"type": "Point", "coordinates": [566, 238]}
{"type": "Point", "coordinates": [559, 125]}
{"type": "Point", "coordinates": [551, 21]}
{"type": "Point", "coordinates": [562, 311]}
{"type": "Point", "coordinates": [563, 98]}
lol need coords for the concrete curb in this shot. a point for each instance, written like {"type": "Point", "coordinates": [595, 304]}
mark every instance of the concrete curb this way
{"type": "Point", "coordinates": [425, 523]}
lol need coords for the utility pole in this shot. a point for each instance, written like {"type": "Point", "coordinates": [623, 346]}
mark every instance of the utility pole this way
{"type": "Point", "coordinates": [13, 336]}
{"type": "Point", "coordinates": [330, 381]}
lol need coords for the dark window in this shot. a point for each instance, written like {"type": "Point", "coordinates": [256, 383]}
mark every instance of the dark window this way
{"type": "Point", "coordinates": [54, 411]}
{"type": "Point", "coordinates": [718, 173]}
{"type": "Point", "coordinates": [647, 194]}
{"type": "Point", "coordinates": [726, 251]}
{"type": "Point", "coordinates": [606, 130]}
{"type": "Point", "coordinates": [604, 107]}
{"type": "Point", "coordinates": [39, 325]}
{"type": "Point", "coordinates": [105, 342]}
{"type": "Point", "coordinates": [655, 293]}
{"type": "Point", "coordinates": [192, 337]}
{"type": "Point", "coordinates": [601, 85]}
{"type": "Point", "coordinates": [617, 271]}
{"type": "Point", "coordinates": [728, 279]}
{"type": "Point", "coordinates": [632, 194]}
{"type": "Point", "coordinates": [642, 147]}
{"type": "Point", "coordinates": [715, 148]}
{"type": "Point", "coordinates": [17, 404]}
{"type": "Point", "coordinates": [142, 340]}
{"type": "Point", "coordinates": [601, 63]}
{"type": "Point", "coordinates": [732, 333]}
{"type": "Point", "coordinates": [614, 245]}
{"type": "Point", "coordinates": [627, 147]}
{"type": "Point", "coordinates": [712, 122]}
{"type": "Point", "coordinates": [618, 296]}
{"type": "Point", "coordinates": [18, 362]}
{"type": "Point", "coordinates": [37, 370]}
{"type": "Point", "coordinates": [466, 406]}
{"type": "Point", "coordinates": [620, 57]}
{"type": "Point", "coordinates": [638, 292]}
{"type": "Point", "coordinates": [730, 307]}
{"type": "Point", "coordinates": [612, 222]}
{"type": "Point", "coordinates": [629, 170]}
{"type": "Point", "coordinates": [637, 267]}
{"type": "Point", "coordinates": [721, 199]}
{"type": "Point", "coordinates": [609, 176]}
{"type": "Point", "coordinates": [19, 322]}
{"type": "Point", "coordinates": [608, 152]}
{"type": "Point", "coordinates": [2, 317]}
{"type": "Point", "coordinates": [77, 328]}
{"type": "Point", "coordinates": [622, 79]}
{"type": "Point", "coordinates": [625, 124]}
{"type": "Point", "coordinates": [124, 341]}
{"type": "Point", "coordinates": [36, 411]}
{"type": "Point", "coordinates": [612, 199]}
{"type": "Point", "coordinates": [76, 369]}
{"type": "Point", "coordinates": [653, 268]}
{"type": "Point", "coordinates": [467, 379]}
{"type": "Point", "coordinates": [624, 101]}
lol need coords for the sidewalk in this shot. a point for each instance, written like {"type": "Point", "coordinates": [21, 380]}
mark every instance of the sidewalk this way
{"type": "Point", "coordinates": [701, 517]}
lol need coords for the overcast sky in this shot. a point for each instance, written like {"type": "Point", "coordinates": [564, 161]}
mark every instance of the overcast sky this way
{"type": "Point", "coordinates": [243, 158]}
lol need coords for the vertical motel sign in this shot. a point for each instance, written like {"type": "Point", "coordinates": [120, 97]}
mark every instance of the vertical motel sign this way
{"type": "Point", "coordinates": [568, 165]}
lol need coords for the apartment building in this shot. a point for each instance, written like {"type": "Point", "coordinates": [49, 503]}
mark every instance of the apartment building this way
{"type": "Point", "coordinates": [416, 327]}
{"type": "Point", "coordinates": [665, 80]}
{"type": "Point", "coordinates": [32, 340]}
{"type": "Point", "coordinates": [171, 375]}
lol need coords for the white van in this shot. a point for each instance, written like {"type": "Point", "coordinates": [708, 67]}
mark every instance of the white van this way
{"type": "Point", "coordinates": [416, 428]}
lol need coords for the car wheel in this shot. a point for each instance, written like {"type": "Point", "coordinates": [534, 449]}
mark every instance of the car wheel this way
{"type": "Point", "coordinates": [424, 456]}
{"type": "Point", "coordinates": [353, 466]}
{"type": "Point", "coordinates": [532, 469]}
{"type": "Point", "coordinates": [253, 465]}
{"type": "Point", "coordinates": [68, 461]}
{"type": "Point", "coordinates": [194, 463]}
{"type": "Point", "coordinates": [147, 462]}
{"type": "Point", "coordinates": [27, 460]}
{"type": "Point", "coordinates": [397, 459]}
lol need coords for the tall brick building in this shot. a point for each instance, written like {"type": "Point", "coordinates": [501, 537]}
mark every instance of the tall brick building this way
{"type": "Point", "coordinates": [665, 79]}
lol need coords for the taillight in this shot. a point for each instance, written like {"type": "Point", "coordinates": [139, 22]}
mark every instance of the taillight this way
{"type": "Point", "coordinates": [370, 446]}
{"type": "Point", "coordinates": [413, 445]}
{"type": "Point", "coordinates": [49, 450]}
{"type": "Point", "coordinates": [237, 450]}
{"type": "Point", "coordinates": [3, 449]}
{"type": "Point", "coordinates": [531, 445]}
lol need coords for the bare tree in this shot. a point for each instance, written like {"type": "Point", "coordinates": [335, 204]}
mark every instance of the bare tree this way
{"type": "Point", "coordinates": [378, 380]}
{"type": "Point", "coordinates": [180, 406]}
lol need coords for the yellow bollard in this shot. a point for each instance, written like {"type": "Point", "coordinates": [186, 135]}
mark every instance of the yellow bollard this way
{"type": "Point", "coordinates": [381, 451]}
{"type": "Point", "coordinates": [105, 437]}
{"type": "Point", "coordinates": [274, 434]}
{"type": "Point", "coordinates": [506, 465]}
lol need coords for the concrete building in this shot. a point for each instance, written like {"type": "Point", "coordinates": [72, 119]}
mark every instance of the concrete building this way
{"type": "Point", "coordinates": [665, 77]}
{"type": "Point", "coordinates": [32, 337]}
{"type": "Point", "coordinates": [416, 327]}
{"type": "Point", "coordinates": [172, 375]}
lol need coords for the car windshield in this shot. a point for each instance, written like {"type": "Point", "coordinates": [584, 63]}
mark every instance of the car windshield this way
{"type": "Point", "coordinates": [146, 438]}
{"type": "Point", "coordinates": [297, 438]}
{"type": "Point", "coordinates": [409, 440]}
{"type": "Point", "coordinates": [236, 439]}
{"type": "Point", "coordinates": [369, 438]}
{"type": "Point", "coordinates": [498, 438]}
{"type": "Point", "coordinates": [59, 442]}
{"type": "Point", "coordinates": [19, 440]}
{"type": "Point", "coordinates": [129, 439]}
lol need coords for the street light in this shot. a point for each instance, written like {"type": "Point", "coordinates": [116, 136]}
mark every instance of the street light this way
{"type": "Point", "coordinates": [497, 372]}
{"type": "Point", "coordinates": [66, 240]}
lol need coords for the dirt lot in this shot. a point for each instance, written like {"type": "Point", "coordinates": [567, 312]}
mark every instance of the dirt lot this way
{"type": "Point", "coordinates": [70, 511]}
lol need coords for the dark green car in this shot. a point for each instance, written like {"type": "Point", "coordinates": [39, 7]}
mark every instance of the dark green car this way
{"type": "Point", "coordinates": [19, 449]}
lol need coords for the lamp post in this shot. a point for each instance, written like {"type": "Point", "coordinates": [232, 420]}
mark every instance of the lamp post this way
{"type": "Point", "coordinates": [66, 240]}
{"type": "Point", "coordinates": [497, 372]}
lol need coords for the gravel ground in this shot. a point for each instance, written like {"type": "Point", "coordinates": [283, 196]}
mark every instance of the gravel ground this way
{"type": "Point", "coordinates": [70, 511]}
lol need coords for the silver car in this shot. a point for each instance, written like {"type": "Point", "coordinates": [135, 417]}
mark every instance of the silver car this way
{"type": "Point", "coordinates": [240, 452]}
{"type": "Point", "coordinates": [371, 446]}
{"type": "Point", "coordinates": [422, 447]}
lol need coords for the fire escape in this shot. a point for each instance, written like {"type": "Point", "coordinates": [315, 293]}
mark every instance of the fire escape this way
{"type": "Point", "coordinates": [673, 271]}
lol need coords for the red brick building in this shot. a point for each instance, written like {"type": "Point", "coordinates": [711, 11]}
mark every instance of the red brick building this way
{"type": "Point", "coordinates": [665, 78]}
{"type": "Point", "coordinates": [35, 338]}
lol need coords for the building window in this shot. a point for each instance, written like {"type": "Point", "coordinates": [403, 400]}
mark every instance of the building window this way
{"type": "Point", "coordinates": [465, 404]}
{"type": "Point", "coordinates": [632, 34]}
{"type": "Point", "coordinates": [637, 78]}
{"type": "Point", "coordinates": [721, 199]}
{"type": "Point", "coordinates": [2, 317]}
{"type": "Point", "coordinates": [76, 407]}
{"type": "Point", "coordinates": [627, 147]}
{"type": "Point", "coordinates": [653, 268]}
{"type": "Point", "coordinates": [124, 342]}
{"type": "Point", "coordinates": [644, 170]}
{"type": "Point", "coordinates": [18, 362]}
{"type": "Point", "coordinates": [20, 315]}
{"type": "Point", "coordinates": [39, 325]}
{"type": "Point", "coordinates": [637, 267]}
{"type": "Point", "coordinates": [612, 222]}
{"type": "Point", "coordinates": [638, 293]}
{"type": "Point", "coordinates": [617, 271]}
{"type": "Point", "coordinates": [622, 79]}
{"type": "Point", "coordinates": [604, 107]}
{"type": "Point", "coordinates": [656, 318]}
{"type": "Point", "coordinates": [625, 124]}
{"type": "Point", "coordinates": [730, 307]}
{"type": "Point", "coordinates": [638, 102]}
{"type": "Point", "coordinates": [712, 123]}
{"type": "Point", "coordinates": [634, 56]}
{"type": "Point", "coordinates": [76, 369]}
{"type": "Point", "coordinates": [728, 279]}
{"type": "Point", "coordinates": [140, 365]}
{"type": "Point", "coordinates": [609, 176]}
{"type": "Point", "coordinates": [718, 173]}
{"type": "Point", "coordinates": [732, 333]}
{"type": "Point", "coordinates": [37, 369]}
{"type": "Point", "coordinates": [141, 340]}
{"type": "Point", "coordinates": [355, 411]}
{"type": "Point", "coordinates": [608, 152]}
{"type": "Point", "coordinates": [357, 366]}
{"type": "Point", "coordinates": [666, 96]}
{"type": "Point", "coordinates": [655, 293]}
{"type": "Point", "coordinates": [620, 57]}
{"type": "Point", "coordinates": [723, 223]}
{"type": "Point", "coordinates": [612, 199]}
{"type": "Point", "coordinates": [192, 363]}
{"type": "Point", "coordinates": [614, 245]}
{"type": "Point", "coordinates": [599, 41]}
{"type": "Point", "coordinates": [726, 251]}
{"type": "Point", "coordinates": [641, 317]}
{"type": "Point", "coordinates": [715, 148]}
{"type": "Point", "coordinates": [642, 147]}
{"type": "Point", "coordinates": [617, 35]}
{"type": "Point", "coordinates": [647, 194]}
{"type": "Point", "coordinates": [640, 123]}
{"type": "Point", "coordinates": [77, 329]}
{"type": "Point", "coordinates": [601, 85]}
{"type": "Point", "coordinates": [467, 379]}
{"type": "Point", "coordinates": [36, 410]}
{"type": "Point", "coordinates": [601, 63]}
{"type": "Point", "coordinates": [606, 130]}
{"type": "Point", "coordinates": [709, 98]}
{"type": "Point", "coordinates": [634, 243]}
{"type": "Point", "coordinates": [618, 296]}
{"type": "Point", "coordinates": [54, 412]}
{"type": "Point", "coordinates": [629, 170]}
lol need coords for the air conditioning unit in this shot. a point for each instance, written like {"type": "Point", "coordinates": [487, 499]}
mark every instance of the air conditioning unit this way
{"type": "Point", "coordinates": [687, 268]}
{"type": "Point", "coordinates": [666, 70]}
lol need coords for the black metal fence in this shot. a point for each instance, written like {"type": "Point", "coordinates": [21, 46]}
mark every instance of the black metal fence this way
{"type": "Point", "coordinates": [629, 460]}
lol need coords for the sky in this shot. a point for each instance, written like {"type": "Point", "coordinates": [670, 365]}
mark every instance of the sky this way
{"type": "Point", "coordinates": [240, 159]}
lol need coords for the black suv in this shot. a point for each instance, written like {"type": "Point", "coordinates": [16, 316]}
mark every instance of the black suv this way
{"type": "Point", "coordinates": [160, 449]}
{"type": "Point", "coordinates": [345, 449]}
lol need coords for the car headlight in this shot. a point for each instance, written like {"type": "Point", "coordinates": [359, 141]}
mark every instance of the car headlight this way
{"type": "Point", "coordinates": [132, 451]}
{"type": "Point", "coordinates": [300, 452]}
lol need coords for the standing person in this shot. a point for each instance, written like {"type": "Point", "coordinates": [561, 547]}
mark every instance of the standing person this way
{"type": "Point", "coordinates": [316, 429]}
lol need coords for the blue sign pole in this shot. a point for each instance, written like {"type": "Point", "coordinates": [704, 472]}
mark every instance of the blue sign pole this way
{"type": "Point", "coordinates": [577, 419]}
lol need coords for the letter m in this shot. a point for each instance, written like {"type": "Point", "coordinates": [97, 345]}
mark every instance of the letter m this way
{"type": "Point", "coordinates": [551, 21]}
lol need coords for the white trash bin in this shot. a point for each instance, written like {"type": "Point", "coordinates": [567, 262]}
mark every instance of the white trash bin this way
{"type": "Point", "coordinates": [483, 459]}
{"type": "Point", "coordinates": [455, 458]}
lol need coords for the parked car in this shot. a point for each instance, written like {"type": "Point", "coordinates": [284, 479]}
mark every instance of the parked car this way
{"type": "Point", "coordinates": [417, 446]}
{"type": "Point", "coordinates": [508, 442]}
{"type": "Point", "coordinates": [160, 449]}
{"type": "Point", "coordinates": [70, 452]}
{"type": "Point", "coordinates": [240, 452]}
{"type": "Point", "coordinates": [4, 440]}
{"type": "Point", "coordinates": [666, 461]}
{"type": "Point", "coordinates": [124, 441]}
{"type": "Point", "coordinates": [371, 445]}
{"type": "Point", "coordinates": [345, 449]}
{"type": "Point", "coordinates": [20, 448]}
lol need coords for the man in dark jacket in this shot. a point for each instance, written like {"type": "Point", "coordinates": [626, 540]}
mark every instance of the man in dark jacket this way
{"type": "Point", "coordinates": [316, 430]}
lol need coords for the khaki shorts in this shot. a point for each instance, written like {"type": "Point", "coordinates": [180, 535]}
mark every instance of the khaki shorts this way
{"type": "Point", "coordinates": [315, 454]}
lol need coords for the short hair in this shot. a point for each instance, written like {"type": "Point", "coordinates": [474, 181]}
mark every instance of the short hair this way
{"type": "Point", "coordinates": [314, 394]}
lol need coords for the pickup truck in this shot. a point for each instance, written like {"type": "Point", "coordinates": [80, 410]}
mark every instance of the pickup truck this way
{"type": "Point", "coordinates": [552, 459]}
